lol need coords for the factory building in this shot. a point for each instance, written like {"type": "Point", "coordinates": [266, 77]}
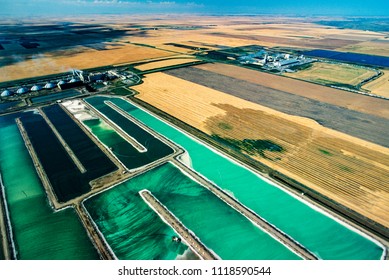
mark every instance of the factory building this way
{"type": "Point", "coordinates": [289, 62]}
{"type": "Point", "coordinates": [64, 85]}
{"type": "Point", "coordinates": [97, 77]}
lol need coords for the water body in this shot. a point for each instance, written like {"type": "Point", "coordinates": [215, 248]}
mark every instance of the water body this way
{"type": "Point", "coordinates": [39, 232]}
{"type": "Point", "coordinates": [156, 149]}
{"type": "Point", "coordinates": [123, 150]}
{"type": "Point", "coordinates": [55, 96]}
{"type": "Point", "coordinates": [63, 174]}
{"type": "Point", "coordinates": [1, 253]}
{"type": "Point", "coordinates": [366, 59]}
{"type": "Point", "coordinates": [8, 105]}
{"type": "Point", "coordinates": [135, 232]}
{"type": "Point", "coordinates": [321, 234]}
{"type": "Point", "coordinates": [65, 177]}
{"type": "Point", "coordinates": [88, 153]}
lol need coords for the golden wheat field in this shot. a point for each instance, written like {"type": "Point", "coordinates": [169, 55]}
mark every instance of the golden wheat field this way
{"type": "Point", "coordinates": [371, 47]}
{"type": "Point", "coordinates": [344, 168]}
{"type": "Point", "coordinates": [165, 63]}
{"type": "Point", "coordinates": [379, 86]}
{"type": "Point", "coordinates": [79, 59]}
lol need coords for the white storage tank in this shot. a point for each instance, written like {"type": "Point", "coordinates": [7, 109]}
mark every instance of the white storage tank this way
{"type": "Point", "coordinates": [6, 93]}
{"type": "Point", "coordinates": [36, 88]}
{"type": "Point", "coordinates": [74, 80]}
{"type": "Point", "coordinates": [22, 90]}
{"type": "Point", "coordinates": [49, 85]}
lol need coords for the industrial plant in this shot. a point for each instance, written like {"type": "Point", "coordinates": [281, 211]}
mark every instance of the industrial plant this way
{"type": "Point", "coordinates": [282, 62]}
{"type": "Point", "coordinates": [76, 79]}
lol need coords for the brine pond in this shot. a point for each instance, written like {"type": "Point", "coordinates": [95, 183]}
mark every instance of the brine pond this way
{"type": "Point", "coordinates": [39, 232]}
{"type": "Point", "coordinates": [134, 231]}
{"type": "Point", "coordinates": [323, 235]}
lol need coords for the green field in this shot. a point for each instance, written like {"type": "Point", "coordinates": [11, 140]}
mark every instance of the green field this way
{"type": "Point", "coordinates": [334, 73]}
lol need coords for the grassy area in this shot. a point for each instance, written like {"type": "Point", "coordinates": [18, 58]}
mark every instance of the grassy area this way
{"type": "Point", "coordinates": [250, 146]}
{"type": "Point", "coordinates": [379, 86]}
{"type": "Point", "coordinates": [327, 153]}
{"type": "Point", "coordinates": [331, 73]}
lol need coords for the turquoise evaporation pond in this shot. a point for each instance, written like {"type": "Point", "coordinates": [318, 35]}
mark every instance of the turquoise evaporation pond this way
{"type": "Point", "coordinates": [134, 231]}
{"type": "Point", "coordinates": [321, 234]}
{"type": "Point", "coordinates": [39, 233]}
{"type": "Point", "coordinates": [109, 137]}
{"type": "Point", "coordinates": [131, 228]}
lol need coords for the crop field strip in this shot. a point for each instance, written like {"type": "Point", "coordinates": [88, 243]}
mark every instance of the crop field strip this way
{"type": "Point", "coordinates": [345, 169]}
{"type": "Point", "coordinates": [326, 43]}
{"type": "Point", "coordinates": [365, 126]}
{"type": "Point", "coordinates": [165, 63]}
{"type": "Point", "coordinates": [349, 100]}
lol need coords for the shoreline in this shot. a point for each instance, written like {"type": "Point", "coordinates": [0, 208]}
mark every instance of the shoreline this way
{"type": "Point", "coordinates": [192, 241]}
{"type": "Point", "coordinates": [8, 244]}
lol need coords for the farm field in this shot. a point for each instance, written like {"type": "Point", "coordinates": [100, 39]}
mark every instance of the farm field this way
{"type": "Point", "coordinates": [34, 48]}
{"type": "Point", "coordinates": [349, 100]}
{"type": "Point", "coordinates": [334, 73]}
{"type": "Point", "coordinates": [371, 127]}
{"type": "Point", "coordinates": [63, 62]}
{"type": "Point", "coordinates": [379, 47]}
{"type": "Point", "coordinates": [165, 63]}
{"type": "Point", "coordinates": [379, 86]}
{"type": "Point", "coordinates": [343, 168]}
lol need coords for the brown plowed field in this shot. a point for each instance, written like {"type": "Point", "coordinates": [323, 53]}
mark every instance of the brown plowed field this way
{"type": "Point", "coordinates": [365, 126]}
{"type": "Point", "coordinates": [349, 100]}
{"type": "Point", "coordinates": [326, 43]}
{"type": "Point", "coordinates": [348, 170]}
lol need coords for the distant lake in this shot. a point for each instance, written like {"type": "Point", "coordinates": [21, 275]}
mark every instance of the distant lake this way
{"type": "Point", "coordinates": [374, 60]}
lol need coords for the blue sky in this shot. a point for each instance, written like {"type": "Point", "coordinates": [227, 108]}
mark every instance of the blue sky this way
{"type": "Point", "coordinates": [290, 7]}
